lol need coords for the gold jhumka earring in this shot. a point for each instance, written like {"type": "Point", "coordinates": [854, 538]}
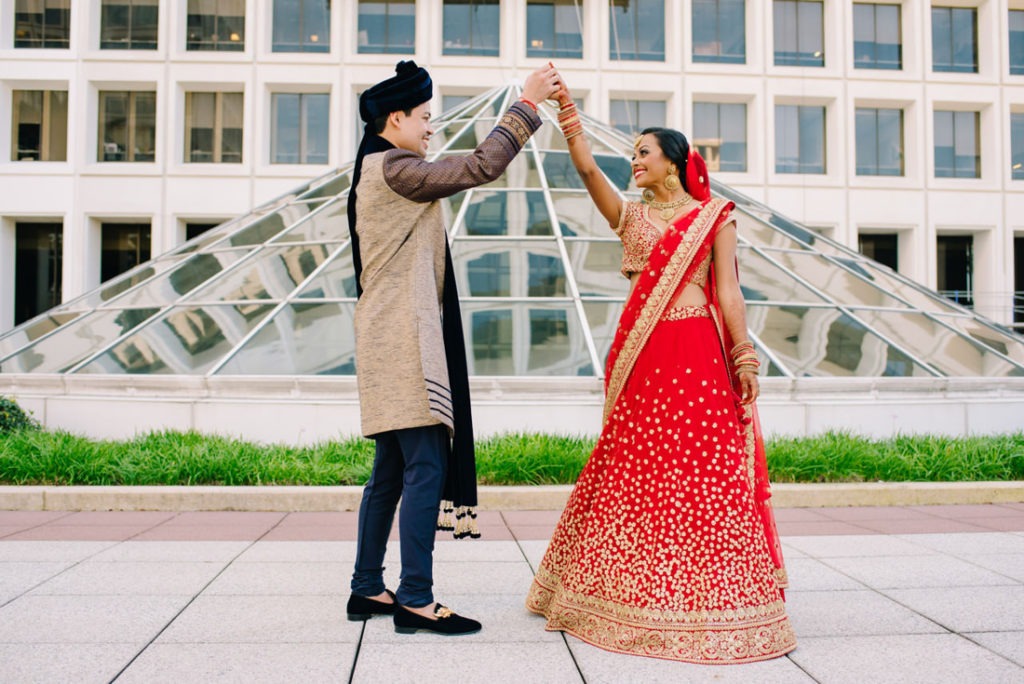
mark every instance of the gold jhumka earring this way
{"type": "Point", "coordinates": [672, 179]}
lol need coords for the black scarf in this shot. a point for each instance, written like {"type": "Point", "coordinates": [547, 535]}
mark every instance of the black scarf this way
{"type": "Point", "coordinates": [460, 482]}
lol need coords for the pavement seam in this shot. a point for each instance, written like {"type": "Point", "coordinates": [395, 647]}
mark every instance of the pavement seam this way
{"type": "Point", "coordinates": [51, 577]}
{"type": "Point", "coordinates": [355, 657]}
{"type": "Point", "coordinates": [194, 597]}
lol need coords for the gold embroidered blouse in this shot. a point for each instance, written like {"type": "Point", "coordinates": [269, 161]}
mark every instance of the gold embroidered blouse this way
{"type": "Point", "coordinates": [639, 236]}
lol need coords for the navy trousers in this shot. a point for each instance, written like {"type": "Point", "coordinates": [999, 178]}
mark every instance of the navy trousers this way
{"type": "Point", "coordinates": [409, 464]}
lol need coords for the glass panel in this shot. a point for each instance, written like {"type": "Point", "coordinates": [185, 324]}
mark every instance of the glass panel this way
{"type": "Point", "coordinates": [129, 24]}
{"type": "Point", "coordinates": [269, 226]}
{"type": "Point", "coordinates": [40, 125]}
{"type": "Point", "coordinates": [336, 281]}
{"type": "Point", "coordinates": [1017, 145]}
{"type": "Point", "coordinates": [38, 268]}
{"type": "Point", "coordinates": [509, 268]}
{"type": "Point", "coordinates": [507, 213]}
{"type": "Point", "coordinates": [720, 134]}
{"type": "Point", "coordinates": [799, 33]}
{"type": "Point", "coordinates": [525, 339]}
{"type": "Point", "coordinates": [578, 216]}
{"type": "Point", "coordinates": [838, 283]}
{"type": "Point", "coordinates": [302, 339]}
{"type": "Point", "coordinates": [74, 342]}
{"type": "Point", "coordinates": [1002, 342]}
{"type": "Point", "coordinates": [183, 341]}
{"type": "Point", "coordinates": [917, 295]}
{"type": "Point", "coordinates": [761, 280]}
{"type": "Point", "coordinates": [216, 25]}
{"type": "Point", "coordinates": [42, 24]}
{"type": "Point", "coordinates": [169, 287]}
{"type": "Point", "coordinates": [328, 224]}
{"type": "Point", "coordinates": [596, 266]}
{"type": "Point", "coordinates": [273, 273]}
{"type": "Point", "coordinates": [823, 341]}
{"type": "Point", "coordinates": [331, 188]}
{"type": "Point", "coordinates": [302, 26]}
{"type": "Point", "coordinates": [387, 26]}
{"type": "Point", "coordinates": [521, 173]}
{"type": "Point", "coordinates": [603, 319]}
{"type": "Point", "coordinates": [1016, 21]}
{"type": "Point", "coordinates": [637, 30]}
{"type": "Point", "coordinates": [947, 351]}
{"type": "Point", "coordinates": [124, 282]}
{"type": "Point", "coordinates": [471, 27]}
{"type": "Point", "coordinates": [633, 116]}
{"type": "Point", "coordinates": [33, 330]}
{"type": "Point", "coordinates": [471, 136]}
{"type": "Point", "coordinates": [554, 28]}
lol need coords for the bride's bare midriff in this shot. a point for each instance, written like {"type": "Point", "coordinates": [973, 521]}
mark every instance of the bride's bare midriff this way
{"type": "Point", "coordinates": [690, 295]}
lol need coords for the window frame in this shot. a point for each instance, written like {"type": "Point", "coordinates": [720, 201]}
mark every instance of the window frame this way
{"type": "Point", "coordinates": [555, 52]}
{"type": "Point", "coordinates": [472, 50]}
{"type": "Point", "coordinates": [858, 163]}
{"type": "Point", "coordinates": [305, 44]}
{"type": "Point", "coordinates": [800, 59]}
{"type": "Point", "coordinates": [131, 126]}
{"type": "Point", "coordinates": [130, 43]}
{"type": "Point", "coordinates": [952, 67]}
{"type": "Point", "coordinates": [46, 126]}
{"type": "Point", "coordinates": [718, 58]}
{"type": "Point", "coordinates": [63, 43]}
{"type": "Point", "coordinates": [709, 159]}
{"type": "Point", "coordinates": [303, 127]}
{"type": "Point", "coordinates": [201, 44]}
{"type": "Point", "coordinates": [875, 63]}
{"type": "Point", "coordinates": [637, 28]}
{"type": "Point", "coordinates": [801, 165]}
{"type": "Point", "coordinates": [978, 168]}
{"type": "Point", "coordinates": [217, 144]}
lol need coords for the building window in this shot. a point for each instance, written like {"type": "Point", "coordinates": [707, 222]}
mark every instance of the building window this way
{"type": "Point", "coordinates": [720, 135]}
{"type": "Point", "coordinates": [42, 24]}
{"type": "Point", "coordinates": [213, 128]}
{"type": "Point", "coordinates": [302, 26]}
{"type": "Point", "coordinates": [882, 247]}
{"type": "Point", "coordinates": [1018, 282]}
{"type": "Point", "coordinates": [129, 24]}
{"type": "Point", "coordinates": [554, 28]}
{"type": "Point", "coordinates": [799, 139]}
{"type": "Point", "coordinates": [217, 25]}
{"type": "Point", "coordinates": [1017, 145]}
{"type": "Point", "coordinates": [127, 126]}
{"type": "Point", "coordinates": [301, 124]}
{"type": "Point", "coordinates": [387, 26]}
{"type": "Point", "coordinates": [39, 124]}
{"type": "Point", "coordinates": [955, 255]}
{"type": "Point", "coordinates": [450, 102]}
{"type": "Point", "coordinates": [876, 37]}
{"type": "Point", "coordinates": [879, 142]}
{"type": "Point", "coordinates": [799, 33]}
{"type": "Point", "coordinates": [194, 229]}
{"type": "Point", "coordinates": [471, 27]}
{"type": "Point", "coordinates": [38, 264]}
{"type": "Point", "coordinates": [955, 39]}
{"type": "Point", "coordinates": [633, 116]}
{"type": "Point", "coordinates": [1016, 42]}
{"type": "Point", "coordinates": [637, 30]}
{"type": "Point", "coordinates": [957, 145]}
{"type": "Point", "coordinates": [124, 246]}
{"type": "Point", "coordinates": [719, 31]}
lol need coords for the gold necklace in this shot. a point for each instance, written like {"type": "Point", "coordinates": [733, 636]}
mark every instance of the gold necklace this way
{"type": "Point", "coordinates": [668, 209]}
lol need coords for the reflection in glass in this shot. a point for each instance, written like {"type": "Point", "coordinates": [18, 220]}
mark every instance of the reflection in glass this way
{"type": "Point", "coordinates": [42, 24]}
{"type": "Point", "coordinates": [720, 135]}
{"type": "Point", "coordinates": [876, 36]}
{"type": "Point", "coordinates": [273, 273]}
{"type": "Point", "coordinates": [127, 126]}
{"type": "Point", "coordinates": [838, 283]}
{"type": "Point", "coordinates": [218, 25]}
{"type": "Point", "coordinates": [1017, 144]}
{"type": "Point", "coordinates": [300, 128]}
{"type": "Point", "coordinates": [124, 246]}
{"type": "Point", "coordinates": [507, 213]}
{"type": "Point", "coordinates": [169, 287]}
{"type": "Point", "coordinates": [593, 263]}
{"type": "Point", "coordinates": [184, 341]}
{"type": "Point", "coordinates": [823, 341]}
{"type": "Point", "coordinates": [719, 31]}
{"type": "Point", "coordinates": [554, 28]}
{"type": "Point", "coordinates": [578, 216]}
{"type": "Point", "coordinates": [994, 338]}
{"type": "Point", "coordinates": [761, 280]}
{"type": "Point", "coordinates": [38, 268]}
{"type": "Point", "coordinates": [387, 27]}
{"type": "Point", "coordinates": [957, 144]}
{"type": "Point", "coordinates": [1016, 42]}
{"type": "Point", "coordinates": [129, 24]}
{"type": "Point", "coordinates": [603, 319]}
{"type": "Point", "coordinates": [633, 116]}
{"type": "Point", "coordinates": [330, 188]}
{"type": "Point", "coordinates": [799, 33]}
{"type": "Point", "coordinates": [525, 339]}
{"type": "Point", "coordinates": [799, 139]}
{"type": "Point", "coordinates": [28, 333]}
{"type": "Point", "coordinates": [879, 142]}
{"type": "Point", "coordinates": [302, 26]}
{"type": "Point", "coordinates": [514, 268]}
{"type": "Point", "coordinates": [74, 342]}
{"type": "Point", "coordinates": [637, 30]}
{"type": "Point", "coordinates": [271, 225]}
{"type": "Point", "coordinates": [328, 224]}
{"type": "Point", "coordinates": [471, 27]}
{"type": "Point", "coordinates": [40, 125]}
{"type": "Point", "coordinates": [955, 39]}
{"type": "Point", "coordinates": [213, 128]}
{"type": "Point", "coordinates": [336, 281]}
{"type": "Point", "coordinates": [301, 339]}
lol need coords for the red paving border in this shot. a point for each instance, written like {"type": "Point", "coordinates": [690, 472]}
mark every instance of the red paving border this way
{"type": "Point", "coordinates": [494, 525]}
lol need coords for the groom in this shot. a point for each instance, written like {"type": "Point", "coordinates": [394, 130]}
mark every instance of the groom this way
{"type": "Point", "coordinates": [410, 351]}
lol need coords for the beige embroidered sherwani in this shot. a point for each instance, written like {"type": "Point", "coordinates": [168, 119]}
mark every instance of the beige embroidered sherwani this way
{"type": "Point", "coordinates": [400, 360]}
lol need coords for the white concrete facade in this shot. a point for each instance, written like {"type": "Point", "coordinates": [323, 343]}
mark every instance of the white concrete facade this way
{"type": "Point", "coordinates": [82, 192]}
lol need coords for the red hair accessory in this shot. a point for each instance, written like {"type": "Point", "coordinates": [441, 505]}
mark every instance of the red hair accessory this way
{"type": "Point", "coordinates": [697, 182]}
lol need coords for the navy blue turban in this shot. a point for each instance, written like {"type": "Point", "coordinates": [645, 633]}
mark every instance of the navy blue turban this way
{"type": "Point", "coordinates": [409, 87]}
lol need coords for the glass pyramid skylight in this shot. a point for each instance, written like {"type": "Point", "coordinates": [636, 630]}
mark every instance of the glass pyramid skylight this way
{"type": "Point", "coordinates": [273, 293]}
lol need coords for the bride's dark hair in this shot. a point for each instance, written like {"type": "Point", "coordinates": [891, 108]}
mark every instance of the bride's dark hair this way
{"type": "Point", "coordinates": [674, 145]}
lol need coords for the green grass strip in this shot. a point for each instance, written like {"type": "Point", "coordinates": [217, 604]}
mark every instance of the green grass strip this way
{"type": "Point", "coordinates": [31, 457]}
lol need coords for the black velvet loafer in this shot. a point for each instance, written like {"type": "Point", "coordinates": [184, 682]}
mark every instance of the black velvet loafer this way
{"type": "Point", "coordinates": [447, 622]}
{"type": "Point", "coordinates": [362, 608]}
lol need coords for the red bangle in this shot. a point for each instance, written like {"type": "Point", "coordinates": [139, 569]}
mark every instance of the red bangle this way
{"type": "Point", "coordinates": [532, 105]}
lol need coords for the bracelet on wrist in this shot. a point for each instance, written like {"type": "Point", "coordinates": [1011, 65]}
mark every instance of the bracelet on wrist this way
{"type": "Point", "coordinates": [529, 103]}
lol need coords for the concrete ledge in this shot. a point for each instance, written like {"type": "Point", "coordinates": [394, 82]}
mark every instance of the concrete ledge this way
{"type": "Point", "coordinates": [550, 497]}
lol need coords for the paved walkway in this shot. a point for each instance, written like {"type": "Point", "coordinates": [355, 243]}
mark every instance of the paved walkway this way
{"type": "Point", "coordinates": [917, 594]}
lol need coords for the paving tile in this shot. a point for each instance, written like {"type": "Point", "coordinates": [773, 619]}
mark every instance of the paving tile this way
{"type": "Point", "coordinates": [902, 659]}
{"type": "Point", "coordinates": [1015, 524]}
{"type": "Point", "coordinates": [242, 663]}
{"type": "Point", "coordinates": [8, 530]}
{"type": "Point", "coordinates": [63, 662]}
{"type": "Point", "coordinates": [967, 545]}
{"type": "Point", "coordinates": [171, 551]}
{"type": "Point", "coordinates": [116, 518]}
{"type": "Point", "coordinates": [963, 512]}
{"type": "Point", "coordinates": [283, 579]}
{"type": "Point", "coordinates": [217, 518]}
{"type": "Point", "coordinates": [1010, 645]}
{"type": "Point", "coordinates": [128, 578]}
{"type": "Point", "coordinates": [967, 609]}
{"type": "Point", "coordinates": [604, 667]}
{"type": "Point", "coordinates": [789, 551]}
{"type": "Point", "coordinates": [534, 550]}
{"type": "Point", "coordinates": [266, 551]}
{"type": "Point", "coordinates": [532, 518]}
{"type": "Point", "coordinates": [311, 533]}
{"type": "Point", "coordinates": [870, 545]}
{"type": "Point", "coordinates": [819, 528]}
{"type": "Point", "coordinates": [842, 613]}
{"type": "Point", "coordinates": [17, 577]}
{"type": "Point", "coordinates": [87, 619]}
{"type": "Point", "coordinates": [504, 618]}
{"type": "Point", "coordinates": [465, 550]}
{"type": "Point", "coordinates": [29, 518]}
{"type": "Point", "coordinates": [808, 574]}
{"type": "Point", "coordinates": [481, 578]}
{"type": "Point", "coordinates": [167, 532]}
{"type": "Point", "coordinates": [1008, 564]}
{"type": "Point", "coordinates": [420, 661]}
{"type": "Point", "coordinates": [54, 532]}
{"type": "Point", "coordinates": [31, 551]}
{"type": "Point", "coordinates": [522, 532]}
{"type": "Point", "coordinates": [799, 515]}
{"type": "Point", "coordinates": [889, 572]}
{"type": "Point", "coordinates": [858, 513]}
{"type": "Point", "coordinates": [923, 526]}
{"type": "Point", "coordinates": [322, 518]}
{"type": "Point", "coordinates": [263, 620]}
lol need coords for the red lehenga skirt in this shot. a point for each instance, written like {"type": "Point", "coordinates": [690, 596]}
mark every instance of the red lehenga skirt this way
{"type": "Point", "coordinates": [660, 550]}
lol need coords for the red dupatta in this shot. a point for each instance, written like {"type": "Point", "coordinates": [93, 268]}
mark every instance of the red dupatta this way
{"type": "Point", "coordinates": [684, 245]}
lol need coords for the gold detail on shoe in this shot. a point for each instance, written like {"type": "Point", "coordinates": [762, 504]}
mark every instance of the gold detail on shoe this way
{"type": "Point", "coordinates": [442, 612]}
